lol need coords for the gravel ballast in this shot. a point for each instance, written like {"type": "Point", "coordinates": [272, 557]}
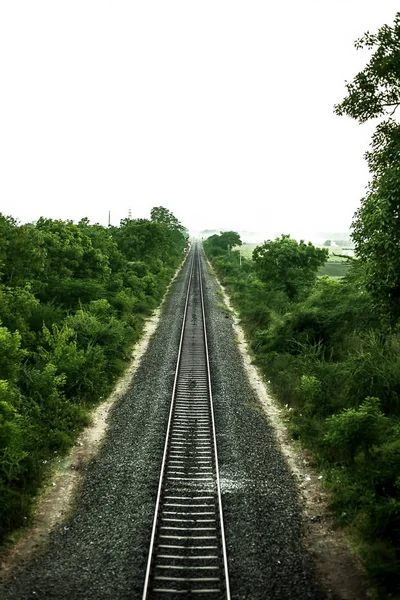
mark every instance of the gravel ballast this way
{"type": "Point", "coordinates": [101, 551]}
{"type": "Point", "coordinates": [261, 513]}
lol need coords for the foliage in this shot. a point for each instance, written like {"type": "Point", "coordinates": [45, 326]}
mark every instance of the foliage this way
{"type": "Point", "coordinates": [336, 370]}
{"type": "Point", "coordinates": [334, 269]}
{"type": "Point", "coordinates": [309, 392]}
{"type": "Point", "coordinates": [331, 348]}
{"type": "Point", "coordinates": [289, 265]}
{"type": "Point", "coordinates": [72, 301]}
{"type": "Point", "coordinates": [375, 92]}
{"type": "Point", "coordinates": [218, 244]}
{"type": "Point", "coordinates": [10, 354]}
{"type": "Point", "coordinates": [22, 253]}
{"type": "Point", "coordinates": [161, 215]}
{"type": "Point", "coordinates": [377, 238]}
{"type": "Point", "coordinates": [356, 429]}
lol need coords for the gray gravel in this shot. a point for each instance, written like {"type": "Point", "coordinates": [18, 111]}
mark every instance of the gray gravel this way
{"type": "Point", "coordinates": [101, 553]}
{"type": "Point", "coordinates": [261, 513]}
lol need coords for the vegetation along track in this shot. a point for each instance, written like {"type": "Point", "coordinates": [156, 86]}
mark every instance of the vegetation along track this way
{"type": "Point", "coordinates": [187, 554]}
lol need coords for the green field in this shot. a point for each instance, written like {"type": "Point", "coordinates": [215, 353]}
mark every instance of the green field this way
{"type": "Point", "coordinates": [337, 266]}
{"type": "Point", "coordinates": [334, 269]}
{"type": "Point", "coordinates": [246, 250]}
{"type": "Point", "coordinates": [338, 258]}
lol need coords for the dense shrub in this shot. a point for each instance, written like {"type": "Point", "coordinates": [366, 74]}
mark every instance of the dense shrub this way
{"type": "Point", "coordinates": [335, 366]}
{"type": "Point", "coordinates": [73, 298]}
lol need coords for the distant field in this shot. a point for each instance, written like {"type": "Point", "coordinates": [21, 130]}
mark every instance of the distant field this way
{"type": "Point", "coordinates": [334, 269]}
{"type": "Point", "coordinates": [246, 250]}
{"type": "Point", "coordinates": [336, 266]}
{"type": "Point", "coordinates": [335, 258]}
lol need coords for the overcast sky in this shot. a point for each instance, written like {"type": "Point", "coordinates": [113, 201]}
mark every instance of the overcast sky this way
{"type": "Point", "coordinates": [221, 111]}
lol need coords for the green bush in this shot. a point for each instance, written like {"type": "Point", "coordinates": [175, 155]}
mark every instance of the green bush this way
{"type": "Point", "coordinates": [108, 332]}
{"type": "Point", "coordinates": [328, 357]}
{"type": "Point", "coordinates": [356, 429]}
{"type": "Point", "coordinates": [73, 298]}
{"type": "Point", "coordinates": [11, 354]}
{"type": "Point", "coordinates": [309, 392]}
{"type": "Point", "coordinates": [374, 368]}
{"type": "Point", "coordinates": [12, 446]}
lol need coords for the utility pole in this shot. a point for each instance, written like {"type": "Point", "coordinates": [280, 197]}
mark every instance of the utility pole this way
{"type": "Point", "coordinates": [109, 218]}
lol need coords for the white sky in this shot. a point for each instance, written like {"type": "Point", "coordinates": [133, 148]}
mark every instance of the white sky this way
{"type": "Point", "coordinates": [221, 111]}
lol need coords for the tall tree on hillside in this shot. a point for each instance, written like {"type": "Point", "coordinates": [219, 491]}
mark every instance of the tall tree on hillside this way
{"type": "Point", "coordinates": [375, 92]}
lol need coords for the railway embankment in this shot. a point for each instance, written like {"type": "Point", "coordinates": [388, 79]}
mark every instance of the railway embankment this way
{"type": "Point", "coordinates": [100, 550]}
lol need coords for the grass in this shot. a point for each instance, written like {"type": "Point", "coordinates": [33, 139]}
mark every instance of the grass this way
{"type": "Point", "coordinates": [337, 266]}
{"type": "Point", "coordinates": [246, 250]}
{"type": "Point", "coordinates": [228, 311]}
{"type": "Point", "coordinates": [334, 269]}
{"type": "Point", "coordinates": [337, 258]}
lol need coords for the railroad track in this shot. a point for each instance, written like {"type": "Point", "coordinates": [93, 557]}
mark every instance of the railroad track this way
{"type": "Point", "coordinates": [187, 556]}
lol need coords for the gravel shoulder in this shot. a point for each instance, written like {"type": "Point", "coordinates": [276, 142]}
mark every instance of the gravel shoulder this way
{"type": "Point", "coordinates": [282, 538]}
{"type": "Point", "coordinates": [261, 510]}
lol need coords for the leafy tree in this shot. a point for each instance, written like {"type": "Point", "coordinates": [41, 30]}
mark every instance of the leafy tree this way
{"type": "Point", "coordinates": [230, 238]}
{"type": "Point", "coordinates": [140, 240]}
{"type": "Point", "coordinates": [22, 252]}
{"type": "Point", "coordinates": [375, 92]}
{"type": "Point", "coordinates": [72, 301]}
{"type": "Point", "coordinates": [220, 244]}
{"type": "Point", "coordinates": [289, 265]}
{"type": "Point", "coordinates": [176, 233]}
{"type": "Point", "coordinates": [162, 238]}
{"type": "Point", "coordinates": [71, 252]}
{"type": "Point", "coordinates": [356, 429]}
{"type": "Point", "coordinates": [104, 243]}
{"type": "Point", "coordinates": [12, 432]}
{"type": "Point", "coordinates": [162, 215]}
{"type": "Point", "coordinates": [17, 306]}
{"type": "Point", "coordinates": [11, 354]}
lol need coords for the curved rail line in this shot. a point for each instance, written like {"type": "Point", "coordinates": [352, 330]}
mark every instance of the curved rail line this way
{"type": "Point", "coordinates": [187, 556]}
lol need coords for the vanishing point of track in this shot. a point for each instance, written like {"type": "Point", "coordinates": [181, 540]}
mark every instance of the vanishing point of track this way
{"type": "Point", "coordinates": [187, 556]}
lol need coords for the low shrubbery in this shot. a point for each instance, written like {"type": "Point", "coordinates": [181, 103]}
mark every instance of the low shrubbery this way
{"type": "Point", "coordinates": [336, 365]}
{"type": "Point", "coordinates": [73, 299]}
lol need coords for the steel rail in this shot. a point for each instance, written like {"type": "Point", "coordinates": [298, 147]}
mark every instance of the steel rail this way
{"type": "Point", "coordinates": [223, 541]}
{"type": "Point", "coordinates": [164, 458]}
{"type": "Point", "coordinates": [187, 552]}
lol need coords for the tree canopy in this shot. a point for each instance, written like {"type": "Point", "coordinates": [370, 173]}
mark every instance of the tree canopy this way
{"type": "Point", "coordinates": [375, 92]}
{"type": "Point", "coordinates": [289, 265]}
{"type": "Point", "coordinates": [73, 298]}
{"type": "Point", "coordinates": [218, 244]}
{"type": "Point", "coordinates": [163, 216]}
